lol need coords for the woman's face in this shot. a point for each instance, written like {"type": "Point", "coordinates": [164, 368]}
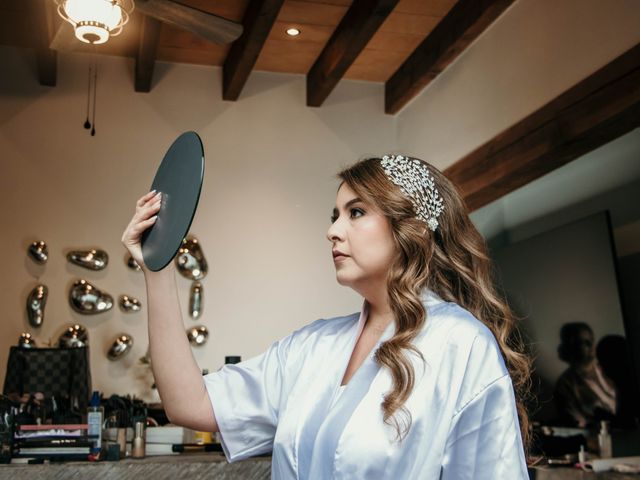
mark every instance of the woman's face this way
{"type": "Point", "coordinates": [362, 242]}
{"type": "Point", "coordinates": [582, 347]}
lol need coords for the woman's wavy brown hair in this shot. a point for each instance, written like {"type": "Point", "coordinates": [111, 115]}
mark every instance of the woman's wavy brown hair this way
{"type": "Point", "coordinates": [454, 263]}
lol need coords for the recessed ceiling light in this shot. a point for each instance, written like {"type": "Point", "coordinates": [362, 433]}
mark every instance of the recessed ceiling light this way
{"type": "Point", "coordinates": [293, 32]}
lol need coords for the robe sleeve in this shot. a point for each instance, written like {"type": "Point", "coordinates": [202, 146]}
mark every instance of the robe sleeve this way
{"type": "Point", "coordinates": [246, 399]}
{"type": "Point", "coordinates": [485, 440]}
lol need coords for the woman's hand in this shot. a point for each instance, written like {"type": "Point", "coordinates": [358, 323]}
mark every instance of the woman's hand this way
{"type": "Point", "coordinates": [146, 214]}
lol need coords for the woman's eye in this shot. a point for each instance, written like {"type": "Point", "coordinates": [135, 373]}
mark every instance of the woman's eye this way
{"type": "Point", "coordinates": [356, 212]}
{"type": "Point", "coordinates": [334, 218]}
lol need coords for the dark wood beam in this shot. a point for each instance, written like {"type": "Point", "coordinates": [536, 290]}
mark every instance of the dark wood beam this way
{"type": "Point", "coordinates": [593, 112]}
{"type": "Point", "coordinates": [356, 28]}
{"type": "Point", "coordinates": [205, 25]}
{"type": "Point", "coordinates": [42, 13]}
{"type": "Point", "coordinates": [257, 23]}
{"type": "Point", "coordinates": [146, 56]}
{"type": "Point", "coordinates": [466, 20]}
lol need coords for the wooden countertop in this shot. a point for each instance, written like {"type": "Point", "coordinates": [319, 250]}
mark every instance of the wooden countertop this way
{"type": "Point", "coordinates": [192, 466]}
{"type": "Point", "coordinates": [208, 466]}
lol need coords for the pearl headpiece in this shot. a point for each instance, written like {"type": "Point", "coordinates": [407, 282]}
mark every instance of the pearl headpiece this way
{"type": "Point", "coordinates": [415, 181]}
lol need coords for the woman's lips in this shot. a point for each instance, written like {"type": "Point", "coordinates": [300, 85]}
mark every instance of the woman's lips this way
{"type": "Point", "coordinates": [339, 256]}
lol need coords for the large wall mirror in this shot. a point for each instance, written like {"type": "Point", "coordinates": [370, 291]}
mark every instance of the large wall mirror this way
{"type": "Point", "coordinates": [562, 284]}
{"type": "Point", "coordinates": [567, 255]}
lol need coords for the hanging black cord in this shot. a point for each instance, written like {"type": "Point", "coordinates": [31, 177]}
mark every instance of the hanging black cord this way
{"type": "Point", "coordinates": [95, 88]}
{"type": "Point", "coordinates": [87, 124]}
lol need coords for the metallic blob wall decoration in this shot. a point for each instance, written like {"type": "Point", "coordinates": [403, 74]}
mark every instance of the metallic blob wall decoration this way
{"type": "Point", "coordinates": [146, 359]}
{"type": "Point", "coordinates": [74, 336]}
{"type": "Point", "coordinates": [36, 301]}
{"type": "Point", "coordinates": [87, 299]}
{"type": "Point", "coordinates": [27, 341]}
{"type": "Point", "coordinates": [198, 336]}
{"type": "Point", "coordinates": [91, 259]}
{"type": "Point", "coordinates": [39, 252]}
{"type": "Point", "coordinates": [129, 304]}
{"type": "Point", "coordinates": [195, 300]}
{"type": "Point", "coordinates": [190, 259]}
{"type": "Point", "coordinates": [120, 347]}
{"type": "Point", "coordinates": [132, 264]}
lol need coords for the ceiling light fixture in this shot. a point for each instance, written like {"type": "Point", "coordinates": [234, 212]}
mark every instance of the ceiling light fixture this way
{"type": "Point", "coordinates": [94, 21]}
{"type": "Point", "coordinates": [293, 32]}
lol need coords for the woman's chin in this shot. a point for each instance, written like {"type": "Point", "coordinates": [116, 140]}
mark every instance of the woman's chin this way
{"type": "Point", "coordinates": [343, 280]}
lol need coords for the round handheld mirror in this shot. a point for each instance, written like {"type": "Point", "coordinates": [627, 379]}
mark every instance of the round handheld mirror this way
{"type": "Point", "coordinates": [179, 179]}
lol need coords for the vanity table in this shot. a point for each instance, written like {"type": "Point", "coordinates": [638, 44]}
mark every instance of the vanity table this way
{"type": "Point", "coordinates": [568, 473]}
{"type": "Point", "coordinates": [207, 466]}
{"type": "Point", "coordinates": [192, 466]}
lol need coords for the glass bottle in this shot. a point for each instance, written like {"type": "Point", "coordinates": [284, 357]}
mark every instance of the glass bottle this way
{"type": "Point", "coordinates": [604, 440]}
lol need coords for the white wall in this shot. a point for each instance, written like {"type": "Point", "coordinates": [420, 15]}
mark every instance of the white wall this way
{"type": "Point", "coordinates": [268, 193]}
{"type": "Point", "coordinates": [269, 184]}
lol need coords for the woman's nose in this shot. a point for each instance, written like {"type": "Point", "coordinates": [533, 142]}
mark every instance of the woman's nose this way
{"type": "Point", "coordinates": [335, 232]}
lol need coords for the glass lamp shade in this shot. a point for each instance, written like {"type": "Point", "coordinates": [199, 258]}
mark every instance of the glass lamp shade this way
{"type": "Point", "coordinates": [94, 21]}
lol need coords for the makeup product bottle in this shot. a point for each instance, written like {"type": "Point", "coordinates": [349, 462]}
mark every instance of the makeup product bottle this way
{"type": "Point", "coordinates": [95, 413]}
{"type": "Point", "coordinates": [604, 440]}
{"type": "Point", "coordinates": [138, 448]}
{"type": "Point", "coordinates": [582, 455]}
{"type": "Point", "coordinates": [122, 441]}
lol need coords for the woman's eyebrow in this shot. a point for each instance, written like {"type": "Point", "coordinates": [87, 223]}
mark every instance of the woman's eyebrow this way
{"type": "Point", "coordinates": [348, 204]}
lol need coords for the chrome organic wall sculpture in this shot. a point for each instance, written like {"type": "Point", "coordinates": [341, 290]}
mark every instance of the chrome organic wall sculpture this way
{"type": "Point", "coordinates": [26, 341]}
{"type": "Point", "coordinates": [74, 336]}
{"type": "Point", "coordinates": [36, 301]}
{"type": "Point", "coordinates": [91, 259]}
{"type": "Point", "coordinates": [195, 300]}
{"type": "Point", "coordinates": [120, 347]}
{"type": "Point", "coordinates": [198, 335]}
{"type": "Point", "coordinates": [129, 304]}
{"type": "Point", "coordinates": [146, 359]}
{"type": "Point", "coordinates": [132, 264]}
{"type": "Point", "coordinates": [87, 299]}
{"type": "Point", "coordinates": [39, 252]}
{"type": "Point", "coordinates": [190, 259]}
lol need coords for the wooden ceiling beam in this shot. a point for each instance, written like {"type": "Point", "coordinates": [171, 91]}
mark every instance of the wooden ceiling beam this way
{"type": "Point", "coordinates": [146, 55]}
{"type": "Point", "coordinates": [593, 112]}
{"type": "Point", "coordinates": [42, 14]}
{"type": "Point", "coordinates": [466, 20]}
{"type": "Point", "coordinates": [357, 27]}
{"type": "Point", "coordinates": [201, 23]}
{"type": "Point", "coordinates": [257, 23]}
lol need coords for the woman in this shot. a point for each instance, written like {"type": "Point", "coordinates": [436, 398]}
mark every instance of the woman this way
{"type": "Point", "coordinates": [417, 385]}
{"type": "Point", "coordinates": [582, 395]}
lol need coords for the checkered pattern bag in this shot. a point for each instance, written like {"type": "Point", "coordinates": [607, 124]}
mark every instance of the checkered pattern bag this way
{"type": "Point", "coordinates": [56, 372]}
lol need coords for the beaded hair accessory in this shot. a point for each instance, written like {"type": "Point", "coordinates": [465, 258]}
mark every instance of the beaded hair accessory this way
{"type": "Point", "coordinates": [415, 181]}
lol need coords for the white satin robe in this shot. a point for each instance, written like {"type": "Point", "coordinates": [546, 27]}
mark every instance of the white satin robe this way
{"type": "Point", "coordinates": [285, 401]}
